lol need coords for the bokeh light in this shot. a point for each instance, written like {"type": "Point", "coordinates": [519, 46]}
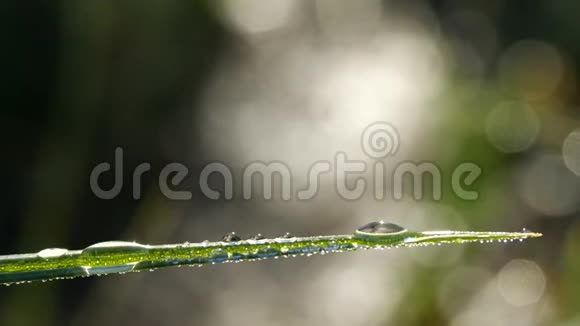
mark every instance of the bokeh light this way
{"type": "Point", "coordinates": [548, 187]}
{"type": "Point", "coordinates": [521, 282]}
{"type": "Point", "coordinates": [512, 126]}
{"type": "Point", "coordinates": [254, 16]}
{"type": "Point", "coordinates": [571, 151]}
{"type": "Point", "coordinates": [532, 69]}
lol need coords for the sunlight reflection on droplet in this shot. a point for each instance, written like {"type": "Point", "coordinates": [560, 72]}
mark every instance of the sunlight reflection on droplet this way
{"type": "Point", "coordinates": [532, 68]}
{"type": "Point", "coordinates": [521, 282]}
{"type": "Point", "coordinates": [571, 151]}
{"type": "Point", "coordinates": [512, 126]}
{"type": "Point", "coordinates": [548, 187]}
{"type": "Point", "coordinates": [253, 16]}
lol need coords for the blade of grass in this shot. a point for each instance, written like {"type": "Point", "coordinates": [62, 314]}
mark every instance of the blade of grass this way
{"type": "Point", "coordinates": [122, 257]}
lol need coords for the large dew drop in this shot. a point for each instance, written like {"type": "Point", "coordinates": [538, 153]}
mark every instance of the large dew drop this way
{"type": "Point", "coordinates": [52, 253]}
{"type": "Point", "coordinates": [102, 270]}
{"type": "Point", "coordinates": [380, 227]}
{"type": "Point", "coordinates": [114, 247]}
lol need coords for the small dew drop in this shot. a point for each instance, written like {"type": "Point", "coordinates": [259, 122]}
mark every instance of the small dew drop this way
{"type": "Point", "coordinates": [287, 235]}
{"type": "Point", "coordinates": [258, 236]}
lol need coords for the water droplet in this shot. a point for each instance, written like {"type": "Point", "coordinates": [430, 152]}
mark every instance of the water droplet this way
{"type": "Point", "coordinates": [380, 227]}
{"type": "Point", "coordinates": [51, 253]}
{"type": "Point", "coordinates": [218, 256]}
{"type": "Point", "coordinates": [231, 237]}
{"type": "Point", "coordinates": [115, 246]}
{"type": "Point", "coordinates": [101, 270]}
{"type": "Point", "coordinates": [258, 236]}
{"type": "Point", "coordinates": [287, 235]}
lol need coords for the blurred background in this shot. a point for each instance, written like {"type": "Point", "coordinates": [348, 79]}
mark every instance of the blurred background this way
{"type": "Point", "coordinates": [489, 82]}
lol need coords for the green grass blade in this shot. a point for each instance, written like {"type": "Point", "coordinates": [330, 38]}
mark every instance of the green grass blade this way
{"type": "Point", "coordinates": [122, 257]}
